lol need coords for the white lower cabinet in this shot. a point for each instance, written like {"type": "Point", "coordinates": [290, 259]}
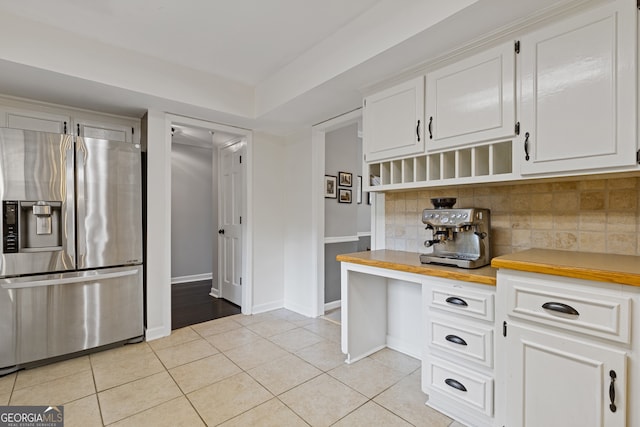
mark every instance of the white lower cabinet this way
{"type": "Point", "coordinates": [459, 385]}
{"type": "Point", "coordinates": [556, 381]}
{"type": "Point", "coordinates": [566, 352]}
{"type": "Point", "coordinates": [458, 361]}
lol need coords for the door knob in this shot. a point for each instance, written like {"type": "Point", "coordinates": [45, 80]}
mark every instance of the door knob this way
{"type": "Point", "coordinates": [221, 231]}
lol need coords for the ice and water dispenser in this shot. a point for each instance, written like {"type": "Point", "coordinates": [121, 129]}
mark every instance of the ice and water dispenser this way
{"type": "Point", "coordinates": [30, 226]}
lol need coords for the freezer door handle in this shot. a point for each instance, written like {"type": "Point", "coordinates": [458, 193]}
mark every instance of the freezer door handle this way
{"type": "Point", "coordinates": [68, 280]}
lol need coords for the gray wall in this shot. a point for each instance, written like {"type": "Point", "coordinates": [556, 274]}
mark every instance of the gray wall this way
{"type": "Point", "coordinates": [194, 212]}
{"type": "Point", "coordinates": [343, 153]}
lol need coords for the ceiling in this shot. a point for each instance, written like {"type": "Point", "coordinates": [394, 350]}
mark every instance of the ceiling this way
{"type": "Point", "coordinates": [274, 65]}
{"type": "Point", "coordinates": [242, 40]}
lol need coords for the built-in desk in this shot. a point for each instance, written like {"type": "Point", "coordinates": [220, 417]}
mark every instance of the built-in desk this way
{"type": "Point", "coordinates": [380, 308]}
{"type": "Point", "coordinates": [442, 315]}
{"type": "Point", "coordinates": [382, 294]}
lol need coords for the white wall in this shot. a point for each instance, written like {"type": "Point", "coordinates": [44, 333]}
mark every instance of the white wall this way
{"type": "Point", "coordinates": [269, 218]}
{"type": "Point", "coordinates": [158, 265]}
{"type": "Point", "coordinates": [300, 263]}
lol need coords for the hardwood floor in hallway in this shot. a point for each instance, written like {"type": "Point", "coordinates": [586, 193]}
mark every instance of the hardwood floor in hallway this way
{"type": "Point", "coordinates": [191, 304]}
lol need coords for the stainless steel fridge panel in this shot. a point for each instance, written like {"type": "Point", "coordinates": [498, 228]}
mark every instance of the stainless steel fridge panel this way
{"type": "Point", "coordinates": [37, 173]}
{"type": "Point", "coordinates": [109, 203]}
{"type": "Point", "coordinates": [51, 315]}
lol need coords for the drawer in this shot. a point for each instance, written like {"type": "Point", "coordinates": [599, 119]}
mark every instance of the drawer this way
{"type": "Point", "coordinates": [462, 385]}
{"type": "Point", "coordinates": [469, 341]}
{"type": "Point", "coordinates": [463, 301]}
{"type": "Point", "coordinates": [601, 314]}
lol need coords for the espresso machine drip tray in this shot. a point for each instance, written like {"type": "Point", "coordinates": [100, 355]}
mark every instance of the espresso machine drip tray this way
{"type": "Point", "coordinates": [453, 261]}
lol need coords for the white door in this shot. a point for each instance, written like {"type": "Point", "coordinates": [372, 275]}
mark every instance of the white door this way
{"type": "Point", "coordinates": [552, 380]}
{"type": "Point", "coordinates": [231, 202]}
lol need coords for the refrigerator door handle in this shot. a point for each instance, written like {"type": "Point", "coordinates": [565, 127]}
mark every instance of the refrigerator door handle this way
{"type": "Point", "coordinates": [70, 225]}
{"type": "Point", "coordinates": [81, 153]}
{"type": "Point", "coordinates": [68, 280]}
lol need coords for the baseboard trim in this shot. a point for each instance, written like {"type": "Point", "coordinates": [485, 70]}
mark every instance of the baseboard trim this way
{"type": "Point", "coordinates": [192, 278]}
{"type": "Point", "coordinates": [156, 333]}
{"type": "Point", "coordinates": [261, 308]}
{"type": "Point", "coordinates": [215, 293]}
{"type": "Point", "coordinates": [332, 305]}
{"type": "Point", "coordinates": [300, 309]}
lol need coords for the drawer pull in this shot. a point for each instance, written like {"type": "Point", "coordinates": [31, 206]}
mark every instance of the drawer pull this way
{"type": "Point", "coordinates": [455, 384]}
{"type": "Point", "coordinates": [612, 391]}
{"type": "Point", "coordinates": [560, 308]}
{"type": "Point", "coordinates": [457, 301]}
{"type": "Point", "coordinates": [455, 339]}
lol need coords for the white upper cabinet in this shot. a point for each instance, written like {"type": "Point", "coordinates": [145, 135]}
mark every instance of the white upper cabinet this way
{"type": "Point", "coordinates": [393, 121]}
{"type": "Point", "coordinates": [101, 130]}
{"type": "Point", "coordinates": [472, 100]}
{"type": "Point", "coordinates": [34, 120]}
{"type": "Point", "coordinates": [578, 92]}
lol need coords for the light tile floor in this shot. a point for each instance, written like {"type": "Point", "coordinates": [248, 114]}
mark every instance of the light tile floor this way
{"type": "Point", "coordinates": [270, 369]}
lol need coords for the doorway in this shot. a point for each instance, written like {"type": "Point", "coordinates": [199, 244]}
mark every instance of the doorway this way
{"type": "Point", "coordinates": [323, 241]}
{"type": "Point", "coordinates": [196, 291]}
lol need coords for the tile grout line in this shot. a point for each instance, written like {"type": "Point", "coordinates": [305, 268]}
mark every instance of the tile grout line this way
{"type": "Point", "coordinates": [95, 386]}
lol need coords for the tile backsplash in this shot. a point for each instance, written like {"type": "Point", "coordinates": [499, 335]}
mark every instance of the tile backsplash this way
{"type": "Point", "coordinates": [588, 215]}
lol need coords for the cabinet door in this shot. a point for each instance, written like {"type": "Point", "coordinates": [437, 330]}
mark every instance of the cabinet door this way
{"type": "Point", "coordinates": [578, 92]}
{"type": "Point", "coordinates": [393, 121]}
{"type": "Point", "coordinates": [35, 120]}
{"type": "Point", "coordinates": [99, 130]}
{"type": "Point", "coordinates": [472, 100]}
{"type": "Point", "coordinates": [552, 380]}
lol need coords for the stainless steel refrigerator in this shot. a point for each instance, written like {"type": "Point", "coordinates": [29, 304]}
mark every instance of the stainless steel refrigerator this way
{"type": "Point", "coordinates": [71, 261]}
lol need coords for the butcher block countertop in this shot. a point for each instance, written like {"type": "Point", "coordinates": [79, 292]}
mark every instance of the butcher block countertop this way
{"type": "Point", "coordinates": [410, 263]}
{"type": "Point", "coordinates": [622, 269]}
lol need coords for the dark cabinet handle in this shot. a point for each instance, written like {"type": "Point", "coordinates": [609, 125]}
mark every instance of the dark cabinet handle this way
{"type": "Point", "coordinates": [457, 301]}
{"type": "Point", "coordinates": [612, 391]}
{"type": "Point", "coordinates": [455, 339]}
{"type": "Point", "coordinates": [430, 122]}
{"type": "Point", "coordinates": [526, 146]}
{"type": "Point", "coordinates": [418, 130]}
{"type": "Point", "coordinates": [221, 231]}
{"type": "Point", "coordinates": [560, 308]}
{"type": "Point", "coordinates": [455, 384]}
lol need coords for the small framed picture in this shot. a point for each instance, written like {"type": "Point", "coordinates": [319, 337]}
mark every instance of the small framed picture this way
{"type": "Point", "coordinates": [359, 190]}
{"type": "Point", "coordinates": [345, 179]}
{"type": "Point", "coordinates": [330, 187]}
{"type": "Point", "coordinates": [344, 195]}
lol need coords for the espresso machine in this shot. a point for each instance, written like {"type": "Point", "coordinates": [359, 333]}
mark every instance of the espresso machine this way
{"type": "Point", "coordinates": [458, 236]}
